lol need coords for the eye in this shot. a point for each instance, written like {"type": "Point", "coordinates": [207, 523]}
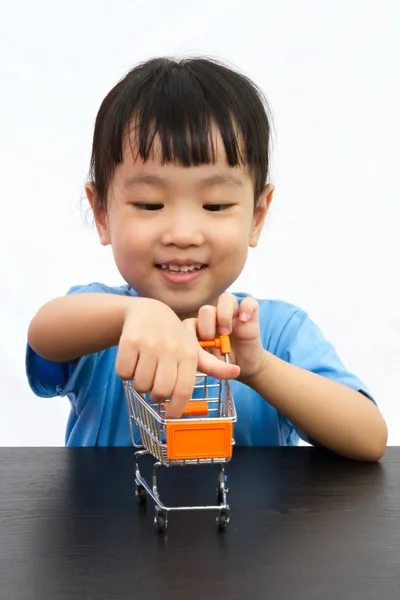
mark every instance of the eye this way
{"type": "Point", "coordinates": [147, 206]}
{"type": "Point", "coordinates": [217, 207]}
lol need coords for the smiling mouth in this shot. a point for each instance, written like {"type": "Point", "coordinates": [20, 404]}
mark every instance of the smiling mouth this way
{"type": "Point", "coordinates": [172, 268]}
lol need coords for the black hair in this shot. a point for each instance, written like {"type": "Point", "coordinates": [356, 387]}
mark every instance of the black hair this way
{"type": "Point", "coordinates": [181, 100]}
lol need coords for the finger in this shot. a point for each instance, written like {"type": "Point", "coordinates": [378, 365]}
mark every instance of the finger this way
{"type": "Point", "coordinates": [127, 358]}
{"type": "Point", "coordinates": [145, 372]}
{"type": "Point", "coordinates": [207, 323]}
{"type": "Point", "coordinates": [248, 309]}
{"type": "Point", "coordinates": [185, 381]}
{"type": "Point", "coordinates": [164, 380]}
{"type": "Point", "coordinates": [246, 325]}
{"type": "Point", "coordinates": [227, 309]}
{"type": "Point", "coordinates": [211, 365]}
{"type": "Point", "coordinates": [191, 324]}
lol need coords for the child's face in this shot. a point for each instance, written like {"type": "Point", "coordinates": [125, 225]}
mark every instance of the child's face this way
{"type": "Point", "coordinates": [163, 217]}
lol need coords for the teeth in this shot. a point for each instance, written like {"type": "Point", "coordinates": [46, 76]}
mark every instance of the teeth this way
{"type": "Point", "coordinates": [183, 268]}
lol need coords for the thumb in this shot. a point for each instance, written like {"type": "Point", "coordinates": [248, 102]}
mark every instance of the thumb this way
{"type": "Point", "coordinates": [209, 364]}
{"type": "Point", "coordinates": [214, 367]}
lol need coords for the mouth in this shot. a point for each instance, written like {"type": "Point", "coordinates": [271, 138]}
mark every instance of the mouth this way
{"type": "Point", "coordinates": [180, 268]}
{"type": "Point", "coordinates": [179, 273]}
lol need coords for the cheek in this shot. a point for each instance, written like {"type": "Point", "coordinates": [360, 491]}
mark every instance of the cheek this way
{"type": "Point", "coordinates": [130, 245]}
{"type": "Point", "coordinates": [235, 238]}
{"type": "Point", "coordinates": [233, 249]}
{"type": "Point", "coordinates": [126, 234]}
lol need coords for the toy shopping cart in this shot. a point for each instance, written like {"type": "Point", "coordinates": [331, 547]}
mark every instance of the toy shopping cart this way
{"type": "Point", "coordinates": [203, 435]}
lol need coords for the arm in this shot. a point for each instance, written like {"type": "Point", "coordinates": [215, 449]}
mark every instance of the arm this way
{"type": "Point", "coordinates": [73, 326]}
{"type": "Point", "coordinates": [331, 413]}
{"type": "Point", "coordinates": [335, 415]}
{"type": "Point", "coordinates": [153, 345]}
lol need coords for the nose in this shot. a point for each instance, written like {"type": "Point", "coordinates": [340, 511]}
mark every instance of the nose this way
{"type": "Point", "coordinates": [183, 229]}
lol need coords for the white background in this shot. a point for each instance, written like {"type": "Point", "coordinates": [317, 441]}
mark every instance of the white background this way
{"type": "Point", "coordinates": [330, 70]}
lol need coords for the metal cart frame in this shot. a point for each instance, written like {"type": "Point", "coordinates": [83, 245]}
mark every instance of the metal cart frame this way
{"type": "Point", "coordinates": [204, 435]}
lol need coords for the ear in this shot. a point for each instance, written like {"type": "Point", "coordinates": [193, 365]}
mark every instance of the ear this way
{"type": "Point", "coordinates": [260, 213]}
{"type": "Point", "coordinates": [100, 215]}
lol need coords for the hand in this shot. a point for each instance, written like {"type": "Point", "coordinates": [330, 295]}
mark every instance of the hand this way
{"type": "Point", "coordinates": [163, 356]}
{"type": "Point", "coordinates": [243, 327]}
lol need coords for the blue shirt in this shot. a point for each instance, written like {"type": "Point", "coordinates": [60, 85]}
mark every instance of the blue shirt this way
{"type": "Point", "coordinates": [99, 415]}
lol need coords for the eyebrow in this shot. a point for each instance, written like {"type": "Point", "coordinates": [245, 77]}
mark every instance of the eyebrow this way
{"type": "Point", "coordinates": [162, 182]}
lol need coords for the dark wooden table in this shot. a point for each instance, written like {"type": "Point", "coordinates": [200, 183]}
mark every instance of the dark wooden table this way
{"type": "Point", "coordinates": [304, 525]}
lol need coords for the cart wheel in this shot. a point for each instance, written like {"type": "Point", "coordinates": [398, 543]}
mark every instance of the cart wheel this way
{"type": "Point", "coordinates": [141, 494]}
{"type": "Point", "coordinates": [160, 522]}
{"type": "Point", "coordinates": [222, 520]}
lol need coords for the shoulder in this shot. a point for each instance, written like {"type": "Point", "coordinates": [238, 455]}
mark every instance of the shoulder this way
{"type": "Point", "coordinates": [97, 287]}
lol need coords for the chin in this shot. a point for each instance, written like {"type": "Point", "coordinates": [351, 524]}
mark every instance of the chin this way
{"type": "Point", "coordinates": [185, 311]}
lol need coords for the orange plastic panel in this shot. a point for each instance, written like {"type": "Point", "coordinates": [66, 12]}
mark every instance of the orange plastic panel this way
{"type": "Point", "coordinates": [188, 440]}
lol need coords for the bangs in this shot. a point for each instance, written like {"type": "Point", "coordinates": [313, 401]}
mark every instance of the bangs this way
{"type": "Point", "coordinates": [177, 112]}
{"type": "Point", "coordinates": [176, 108]}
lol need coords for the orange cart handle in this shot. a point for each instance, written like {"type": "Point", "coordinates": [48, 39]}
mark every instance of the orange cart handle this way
{"type": "Point", "coordinates": [223, 343]}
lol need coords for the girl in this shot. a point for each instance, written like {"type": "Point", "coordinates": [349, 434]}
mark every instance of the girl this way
{"type": "Point", "coordinates": [179, 188]}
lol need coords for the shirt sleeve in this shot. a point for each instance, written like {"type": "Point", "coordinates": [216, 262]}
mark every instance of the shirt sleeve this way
{"type": "Point", "coordinates": [302, 344]}
{"type": "Point", "coordinates": [48, 379]}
